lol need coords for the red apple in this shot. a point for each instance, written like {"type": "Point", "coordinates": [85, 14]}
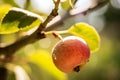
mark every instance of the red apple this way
{"type": "Point", "coordinates": [70, 53]}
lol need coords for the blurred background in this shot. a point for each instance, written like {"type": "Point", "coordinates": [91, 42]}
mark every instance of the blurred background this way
{"type": "Point", "coordinates": [33, 62]}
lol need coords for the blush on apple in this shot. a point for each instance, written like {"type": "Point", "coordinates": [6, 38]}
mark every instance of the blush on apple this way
{"type": "Point", "coordinates": [70, 53]}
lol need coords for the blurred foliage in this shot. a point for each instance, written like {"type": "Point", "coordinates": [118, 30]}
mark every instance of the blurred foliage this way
{"type": "Point", "coordinates": [43, 60]}
{"type": "Point", "coordinates": [36, 60]}
{"type": "Point", "coordinates": [110, 12]}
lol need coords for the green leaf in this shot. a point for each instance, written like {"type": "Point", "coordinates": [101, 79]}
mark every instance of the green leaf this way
{"type": "Point", "coordinates": [18, 19]}
{"type": "Point", "coordinates": [88, 33]}
{"type": "Point", "coordinates": [66, 4]}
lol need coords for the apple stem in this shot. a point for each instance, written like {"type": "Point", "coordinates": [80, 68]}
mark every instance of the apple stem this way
{"type": "Point", "coordinates": [56, 34]}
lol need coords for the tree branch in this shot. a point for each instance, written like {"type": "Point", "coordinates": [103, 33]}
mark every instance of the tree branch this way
{"type": "Point", "coordinates": [8, 51]}
{"type": "Point", "coordinates": [53, 14]}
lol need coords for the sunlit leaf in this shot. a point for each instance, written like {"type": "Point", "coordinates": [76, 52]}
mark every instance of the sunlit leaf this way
{"type": "Point", "coordinates": [66, 4]}
{"type": "Point", "coordinates": [43, 59]}
{"type": "Point", "coordinates": [18, 19]}
{"type": "Point", "coordinates": [3, 9]}
{"type": "Point", "coordinates": [88, 33]}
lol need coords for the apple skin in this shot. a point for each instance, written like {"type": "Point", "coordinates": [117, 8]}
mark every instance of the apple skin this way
{"type": "Point", "coordinates": [70, 53]}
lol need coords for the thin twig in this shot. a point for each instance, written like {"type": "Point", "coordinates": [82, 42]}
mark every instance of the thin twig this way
{"type": "Point", "coordinates": [27, 4]}
{"type": "Point", "coordinates": [52, 15]}
{"type": "Point", "coordinates": [68, 15]}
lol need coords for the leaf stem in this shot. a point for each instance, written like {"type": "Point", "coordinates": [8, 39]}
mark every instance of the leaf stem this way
{"type": "Point", "coordinates": [58, 32]}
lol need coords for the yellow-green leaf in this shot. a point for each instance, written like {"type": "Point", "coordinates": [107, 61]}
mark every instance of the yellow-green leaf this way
{"type": "Point", "coordinates": [88, 33]}
{"type": "Point", "coordinates": [17, 19]}
{"type": "Point", "coordinates": [3, 9]}
{"type": "Point", "coordinates": [66, 4]}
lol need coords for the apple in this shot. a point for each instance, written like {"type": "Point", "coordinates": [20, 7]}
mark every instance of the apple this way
{"type": "Point", "coordinates": [70, 54]}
